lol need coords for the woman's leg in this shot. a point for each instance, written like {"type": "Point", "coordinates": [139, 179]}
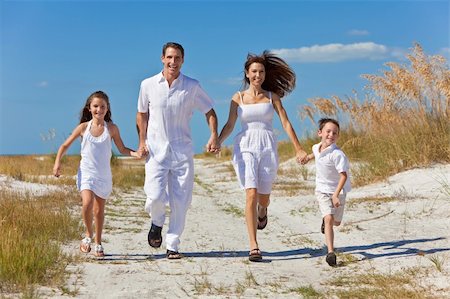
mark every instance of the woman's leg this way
{"type": "Point", "coordinates": [263, 201]}
{"type": "Point", "coordinates": [250, 216]}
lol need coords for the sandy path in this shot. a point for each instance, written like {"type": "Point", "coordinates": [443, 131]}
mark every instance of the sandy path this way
{"type": "Point", "coordinates": [384, 237]}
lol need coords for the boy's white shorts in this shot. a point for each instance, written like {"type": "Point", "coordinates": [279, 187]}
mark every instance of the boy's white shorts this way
{"type": "Point", "coordinates": [326, 205]}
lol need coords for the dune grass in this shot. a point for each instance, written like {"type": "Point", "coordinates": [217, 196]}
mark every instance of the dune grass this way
{"type": "Point", "coordinates": [127, 173]}
{"type": "Point", "coordinates": [32, 230]}
{"type": "Point", "coordinates": [401, 123]}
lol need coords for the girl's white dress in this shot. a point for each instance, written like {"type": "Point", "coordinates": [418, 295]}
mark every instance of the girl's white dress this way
{"type": "Point", "coordinates": [94, 172]}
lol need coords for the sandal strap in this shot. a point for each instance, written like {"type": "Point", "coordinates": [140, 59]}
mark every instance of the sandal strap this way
{"type": "Point", "coordinates": [87, 241]}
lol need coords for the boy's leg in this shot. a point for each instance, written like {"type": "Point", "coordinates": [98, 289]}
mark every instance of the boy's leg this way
{"type": "Point", "coordinates": [329, 232]}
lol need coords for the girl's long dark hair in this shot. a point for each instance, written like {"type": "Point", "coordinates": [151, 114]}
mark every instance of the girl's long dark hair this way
{"type": "Point", "coordinates": [86, 115]}
{"type": "Point", "coordinates": [280, 78]}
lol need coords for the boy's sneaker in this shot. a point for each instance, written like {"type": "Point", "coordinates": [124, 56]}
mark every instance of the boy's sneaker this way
{"type": "Point", "coordinates": [322, 227]}
{"type": "Point", "coordinates": [331, 259]}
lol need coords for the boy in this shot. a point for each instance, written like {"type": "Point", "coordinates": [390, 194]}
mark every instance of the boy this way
{"type": "Point", "coordinates": [332, 180]}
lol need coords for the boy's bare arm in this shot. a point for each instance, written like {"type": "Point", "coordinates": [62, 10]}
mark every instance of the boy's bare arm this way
{"type": "Point", "coordinates": [340, 186]}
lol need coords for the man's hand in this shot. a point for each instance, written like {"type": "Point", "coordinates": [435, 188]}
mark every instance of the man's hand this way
{"type": "Point", "coordinates": [143, 150]}
{"type": "Point", "coordinates": [213, 145]}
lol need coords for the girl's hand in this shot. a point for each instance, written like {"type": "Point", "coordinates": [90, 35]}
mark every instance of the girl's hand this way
{"type": "Point", "coordinates": [56, 171]}
{"type": "Point", "coordinates": [336, 201]}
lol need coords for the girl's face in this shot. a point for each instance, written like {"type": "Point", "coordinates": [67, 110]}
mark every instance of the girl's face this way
{"type": "Point", "coordinates": [98, 108]}
{"type": "Point", "coordinates": [329, 134]}
{"type": "Point", "coordinates": [256, 74]}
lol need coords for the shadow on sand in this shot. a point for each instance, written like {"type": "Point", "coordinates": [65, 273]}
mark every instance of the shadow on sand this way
{"type": "Point", "coordinates": [390, 249]}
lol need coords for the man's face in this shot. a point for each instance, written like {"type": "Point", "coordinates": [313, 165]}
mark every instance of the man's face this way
{"type": "Point", "coordinates": [172, 61]}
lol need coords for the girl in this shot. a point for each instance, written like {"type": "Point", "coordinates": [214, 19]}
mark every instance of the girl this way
{"type": "Point", "coordinates": [255, 158]}
{"type": "Point", "coordinates": [94, 179]}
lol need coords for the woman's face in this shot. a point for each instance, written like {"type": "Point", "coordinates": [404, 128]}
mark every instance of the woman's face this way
{"type": "Point", "coordinates": [256, 74]}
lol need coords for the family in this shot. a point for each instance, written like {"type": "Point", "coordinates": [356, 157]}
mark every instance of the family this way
{"type": "Point", "coordinates": [165, 105]}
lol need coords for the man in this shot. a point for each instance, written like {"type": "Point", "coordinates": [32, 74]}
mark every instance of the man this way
{"type": "Point", "coordinates": [165, 107]}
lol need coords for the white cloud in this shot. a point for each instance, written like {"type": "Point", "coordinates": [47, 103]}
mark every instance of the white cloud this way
{"type": "Point", "coordinates": [335, 52]}
{"type": "Point", "coordinates": [357, 32]}
{"type": "Point", "coordinates": [42, 84]}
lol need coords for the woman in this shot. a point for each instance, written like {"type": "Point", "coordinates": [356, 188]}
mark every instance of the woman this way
{"type": "Point", "coordinates": [267, 79]}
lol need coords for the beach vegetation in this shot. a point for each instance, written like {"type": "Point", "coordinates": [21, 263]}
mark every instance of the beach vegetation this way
{"type": "Point", "coordinates": [373, 284]}
{"type": "Point", "coordinates": [402, 121]}
{"type": "Point", "coordinates": [32, 231]}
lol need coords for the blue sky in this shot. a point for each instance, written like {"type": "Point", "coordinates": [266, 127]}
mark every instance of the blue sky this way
{"type": "Point", "coordinates": [55, 53]}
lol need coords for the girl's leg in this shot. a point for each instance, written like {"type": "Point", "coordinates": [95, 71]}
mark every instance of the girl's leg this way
{"type": "Point", "coordinates": [87, 197]}
{"type": "Point", "coordinates": [329, 233]}
{"type": "Point", "coordinates": [250, 216]}
{"type": "Point", "coordinates": [99, 218]}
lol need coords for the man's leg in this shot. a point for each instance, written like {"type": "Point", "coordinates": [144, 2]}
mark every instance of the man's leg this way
{"type": "Point", "coordinates": [155, 189]}
{"type": "Point", "coordinates": [180, 185]}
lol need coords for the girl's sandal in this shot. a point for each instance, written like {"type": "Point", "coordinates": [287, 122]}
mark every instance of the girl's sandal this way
{"type": "Point", "coordinates": [85, 245]}
{"type": "Point", "coordinates": [99, 250]}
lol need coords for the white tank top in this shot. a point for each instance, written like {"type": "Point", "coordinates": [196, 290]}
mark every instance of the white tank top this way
{"type": "Point", "coordinates": [256, 128]}
{"type": "Point", "coordinates": [96, 153]}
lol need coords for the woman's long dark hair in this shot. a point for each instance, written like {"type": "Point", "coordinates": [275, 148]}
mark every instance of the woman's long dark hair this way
{"type": "Point", "coordinates": [86, 115]}
{"type": "Point", "coordinates": [280, 78]}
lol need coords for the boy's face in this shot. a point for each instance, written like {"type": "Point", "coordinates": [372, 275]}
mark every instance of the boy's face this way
{"type": "Point", "coordinates": [329, 134]}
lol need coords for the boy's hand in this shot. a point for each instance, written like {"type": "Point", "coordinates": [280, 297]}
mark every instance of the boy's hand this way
{"type": "Point", "coordinates": [336, 201]}
{"type": "Point", "coordinates": [305, 159]}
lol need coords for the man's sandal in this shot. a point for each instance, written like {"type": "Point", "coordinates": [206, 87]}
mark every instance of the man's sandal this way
{"type": "Point", "coordinates": [255, 255]}
{"type": "Point", "coordinates": [154, 236]}
{"type": "Point", "coordinates": [173, 255]}
{"type": "Point", "coordinates": [85, 245]}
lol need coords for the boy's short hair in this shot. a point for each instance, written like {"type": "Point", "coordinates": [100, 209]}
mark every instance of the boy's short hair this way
{"type": "Point", "coordinates": [324, 121]}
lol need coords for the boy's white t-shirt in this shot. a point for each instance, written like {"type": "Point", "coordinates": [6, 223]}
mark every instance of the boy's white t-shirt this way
{"type": "Point", "coordinates": [329, 164]}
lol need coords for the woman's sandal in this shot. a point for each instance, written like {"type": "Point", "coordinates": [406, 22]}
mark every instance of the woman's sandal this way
{"type": "Point", "coordinates": [173, 255]}
{"type": "Point", "coordinates": [154, 236]}
{"type": "Point", "coordinates": [262, 221]}
{"type": "Point", "coordinates": [255, 255]}
{"type": "Point", "coordinates": [85, 245]}
{"type": "Point", "coordinates": [99, 250]}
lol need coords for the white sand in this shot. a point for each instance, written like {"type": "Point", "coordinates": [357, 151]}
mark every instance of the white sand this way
{"type": "Point", "coordinates": [404, 232]}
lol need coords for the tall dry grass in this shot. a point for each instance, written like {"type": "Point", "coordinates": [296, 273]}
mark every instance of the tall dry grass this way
{"type": "Point", "coordinates": [127, 173]}
{"type": "Point", "coordinates": [402, 122]}
{"type": "Point", "coordinates": [32, 230]}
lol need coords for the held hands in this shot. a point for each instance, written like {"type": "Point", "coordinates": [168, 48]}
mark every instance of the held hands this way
{"type": "Point", "coordinates": [142, 151]}
{"type": "Point", "coordinates": [302, 157]}
{"type": "Point", "coordinates": [213, 145]}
